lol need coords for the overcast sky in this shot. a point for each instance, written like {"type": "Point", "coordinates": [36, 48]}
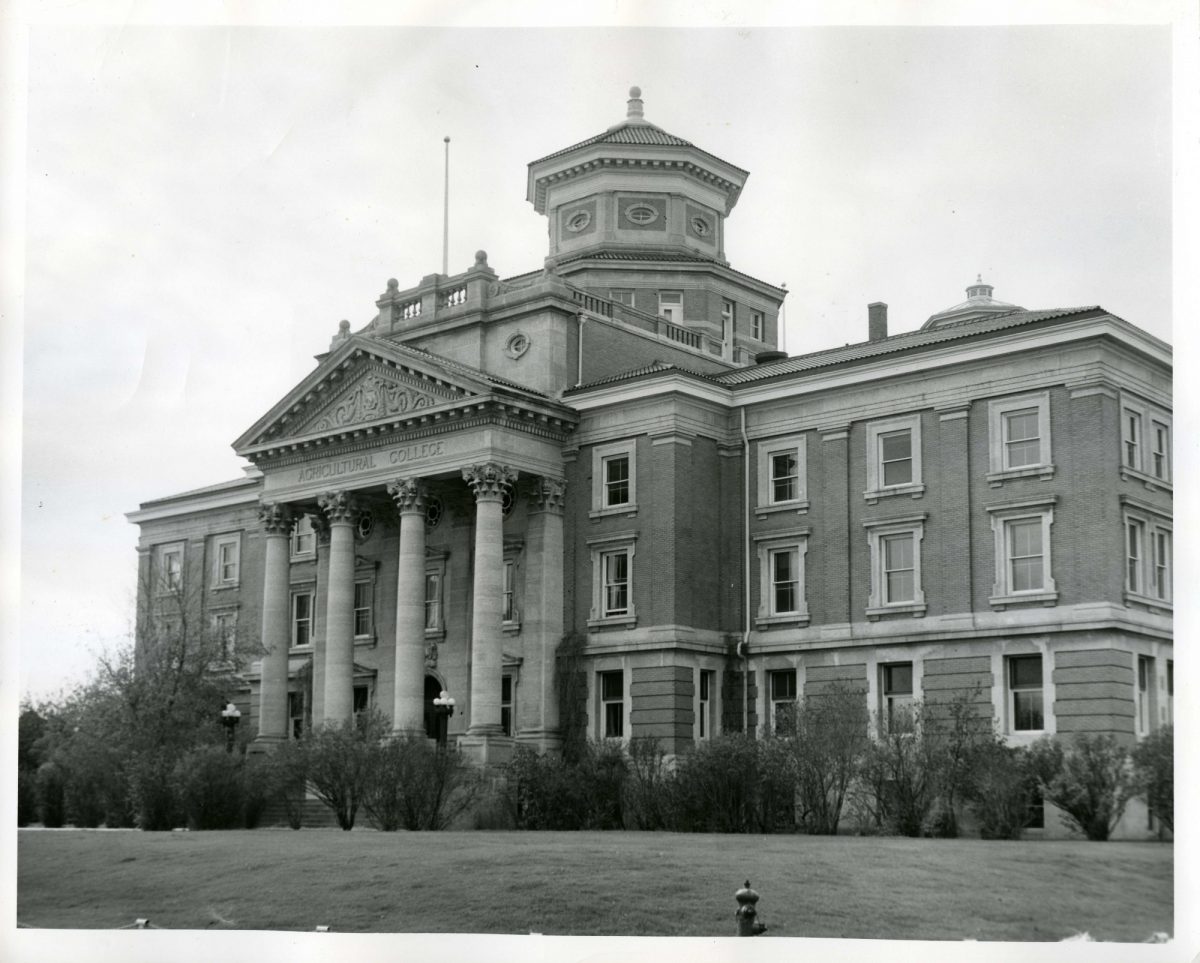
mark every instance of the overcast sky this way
{"type": "Point", "coordinates": [204, 204]}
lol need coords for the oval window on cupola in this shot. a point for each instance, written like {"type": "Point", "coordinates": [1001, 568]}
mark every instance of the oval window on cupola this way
{"type": "Point", "coordinates": [578, 221]}
{"type": "Point", "coordinates": [641, 214]}
{"type": "Point", "coordinates": [701, 226]}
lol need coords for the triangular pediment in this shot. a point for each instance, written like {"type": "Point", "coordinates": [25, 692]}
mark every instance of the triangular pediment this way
{"type": "Point", "coordinates": [363, 382]}
{"type": "Point", "coordinates": [373, 391]}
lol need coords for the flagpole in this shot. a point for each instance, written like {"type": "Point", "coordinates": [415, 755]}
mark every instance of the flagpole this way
{"type": "Point", "coordinates": [446, 214]}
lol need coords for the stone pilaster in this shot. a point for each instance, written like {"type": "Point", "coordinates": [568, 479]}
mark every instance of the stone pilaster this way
{"type": "Point", "coordinates": [342, 512]}
{"type": "Point", "coordinates": [489, 482]}
{"type": "Point", "coordinates": [408, 705]}
{"type": "Point", "coordinates": [537, 702]}
{"type": "Point", "coordinates": [272, 705]}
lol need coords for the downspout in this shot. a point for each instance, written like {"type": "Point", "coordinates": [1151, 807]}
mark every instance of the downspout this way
{"type": "Point", "coordinates": [744, 646]}
{"type": "Point", "coordinates": [579, 379]}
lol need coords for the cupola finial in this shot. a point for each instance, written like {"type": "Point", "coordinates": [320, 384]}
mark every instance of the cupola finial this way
{"type": "Point", "coordinates": [634, 112]}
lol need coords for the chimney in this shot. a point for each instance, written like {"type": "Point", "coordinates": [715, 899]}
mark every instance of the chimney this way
{"type": "Point", "coordinates": [876, 321]}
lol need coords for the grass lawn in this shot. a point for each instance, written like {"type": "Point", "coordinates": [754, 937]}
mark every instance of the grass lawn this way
{"type": "Point", "coordinates": [632, 884]}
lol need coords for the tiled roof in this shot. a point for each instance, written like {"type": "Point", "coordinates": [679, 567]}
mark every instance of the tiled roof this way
{"type": "Point", "coordinates": [654, 367]}
{"type": "Point", "coordinates": [643, 134]}
{"type": "Point", "coordinates": [897, 343]}
{"type": "Point", "coordinates": [626, 133]}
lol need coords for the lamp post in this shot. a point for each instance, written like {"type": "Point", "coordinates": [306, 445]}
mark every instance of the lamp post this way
{"type": "Point", "coordinates": [443, 708]}
{"type": "Point", "coordinates": [229, 719]}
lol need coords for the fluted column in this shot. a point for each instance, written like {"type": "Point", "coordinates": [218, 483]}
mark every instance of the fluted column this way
{"type": "Point", "coordinates": [272, 700]}
{"type": "Point", "coordinates": [489, 482]}
{"type": "Point", "coordinates": [537, 703]}
{"type": "Point", "coordinates": [342, 511]}
{"type": "Point", "coordinates": [408, 705]}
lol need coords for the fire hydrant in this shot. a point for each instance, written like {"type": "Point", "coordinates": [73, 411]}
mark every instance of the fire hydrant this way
{"type": "Point", "coordinates": [746, 914]}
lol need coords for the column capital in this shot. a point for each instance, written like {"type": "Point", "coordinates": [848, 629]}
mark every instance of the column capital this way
{"type": "Point", "coordinates": [340, 506]}
{"type": "Point", "coordinates": [276, 518]}
{"type": "Point", "coordinates": [320, 526]}
{"type": "Point", "coordinates": [489, 481]}
{"type": "Point", "coordinates": [409, 494]}
{"type": "Point", "coordinates": [549, 494]}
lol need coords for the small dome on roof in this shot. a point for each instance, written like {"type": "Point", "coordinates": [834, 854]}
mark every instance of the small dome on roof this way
{"type": "Point", "coordinates": [979, 304]}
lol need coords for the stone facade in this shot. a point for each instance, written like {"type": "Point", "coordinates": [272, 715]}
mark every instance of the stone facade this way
{"type": "Point", "coordinates": [595, 457]}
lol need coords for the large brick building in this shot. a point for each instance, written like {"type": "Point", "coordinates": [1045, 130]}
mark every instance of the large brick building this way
{"type": "Point", "coordinates": [608, 457]}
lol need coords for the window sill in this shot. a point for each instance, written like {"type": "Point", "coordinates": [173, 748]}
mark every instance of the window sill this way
{"type": "Point", "coordinates": [998, 478]}
{"type": "Point", "coordinates": [510, 628]}
{"type": "Point", "coordinates": [915, 609]}
{"type": "Point", "coordinates": [302, 557]}
{"type": "Point", "coordinates": [365, 641]}
{"type": "Point", "coordinates": [799, 506]}
{"type": "Point", "coordinates": [224, 586]}
{"type": "Point", "coordinates": [916, 491]}
{"type": "Point", "coordinates": [436, 634]}
{"type": "Point", "coordinates": [300, 649]}
{"type": "Point", "coordinates": [787, 618]}
{"type": "Point", "coordinates": [613, 621]}
{"type": "Point", "coordinates": [630, 509]}
{"type": "Point", "coordinates": [1150, 601]}
{"type": "Point", "coordinates": [1001, 602]}
{"type": "Point", "coordinates": [1151, 482]}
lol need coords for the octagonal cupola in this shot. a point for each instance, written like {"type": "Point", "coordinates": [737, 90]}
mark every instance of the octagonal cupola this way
{"type": "Point", "coordinates": [979, 304]}
{"type": "Point", "coordinates": [635, 187]}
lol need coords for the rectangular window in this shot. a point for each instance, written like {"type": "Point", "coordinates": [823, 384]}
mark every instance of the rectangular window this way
{"type": "Point", "coordinates": [226, 557]}
{"type": "Point", "coordinates": [781, 468]}
{"type": "Point", "coordinates": [756, 325]}
{"type": "Point", "coordinates": [783, 699]}
{"type": "Point", "coordinates": [302, 619]}
{"type": "Point", "coordinates": [704, 715]}
{"type": "Point", "coordinates": [1036, 818]}
{"type": "Point", "coordinates": [1162, 564]}
{"type": "Point", "coordinates": [670, 306]}
{"type": "Point", "coordinates": [785, 476]}
{"type": "Point", "coordinates": [1160, 450]}
{"type": "Point", "coordinates": [1019, 438]}
{"type": "Point", "coordinates": [433, 600]}
{"type": "Point", "coordinates": [506, 704]}
{"type": "Point", "coordinates": [363, 598]}
{"type": "Point", "coordinates": [1022, 438]}
{"type": "Point", "coordinates": [1134, 534]}
{"type": "Point", "coordinates": [1145, 685]}
{"type": "Point", "coordinates": [615, 583]}
{"type": "Point", "coordinates": [727, 320]}
{"type": "Point", "coordinates": [785, 580]}
{"type": "Point", "coordinates": [899, 568]}
{"type": "Point", "coordinates": [1131, 437]}
{"type": "Point", "coordinates": [295, 714]}
{"type": "Point", "coordinates": [171, 569]}
{"type": "Point", "coordinates": [304, 538]}
{"type": "Point", "coordinates": [225, 634]}
{"type": "Point", "coordinates": [895, 458]}
{"type": "Point", "coordinates": [1025, 693]}
{"type": "Point", "coordinates": [508, 612]}
{"type": "Point", "coordinates": [362, 700]}
{"type": "Point", "coordinates": [616, 480]}
{"type": "Point", "coordinates": [898, 697]}
{"type": "Point", "coordinates": [1025, 559]}
{"type": "Point", "coordinates": [612, 704]}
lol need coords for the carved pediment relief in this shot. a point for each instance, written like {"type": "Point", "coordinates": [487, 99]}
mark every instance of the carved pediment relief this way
{"type": "Point", "coordinates": [375, 392]}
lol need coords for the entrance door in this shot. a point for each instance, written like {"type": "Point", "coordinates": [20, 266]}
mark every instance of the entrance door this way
{"type": "Point", "coordinates": [436, 724]}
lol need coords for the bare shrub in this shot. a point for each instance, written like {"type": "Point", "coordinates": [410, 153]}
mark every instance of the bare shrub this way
{"type": "Point", "coordinates": [1089, 779]}
{"type": "Point", "coordinates": [1154, 767]}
